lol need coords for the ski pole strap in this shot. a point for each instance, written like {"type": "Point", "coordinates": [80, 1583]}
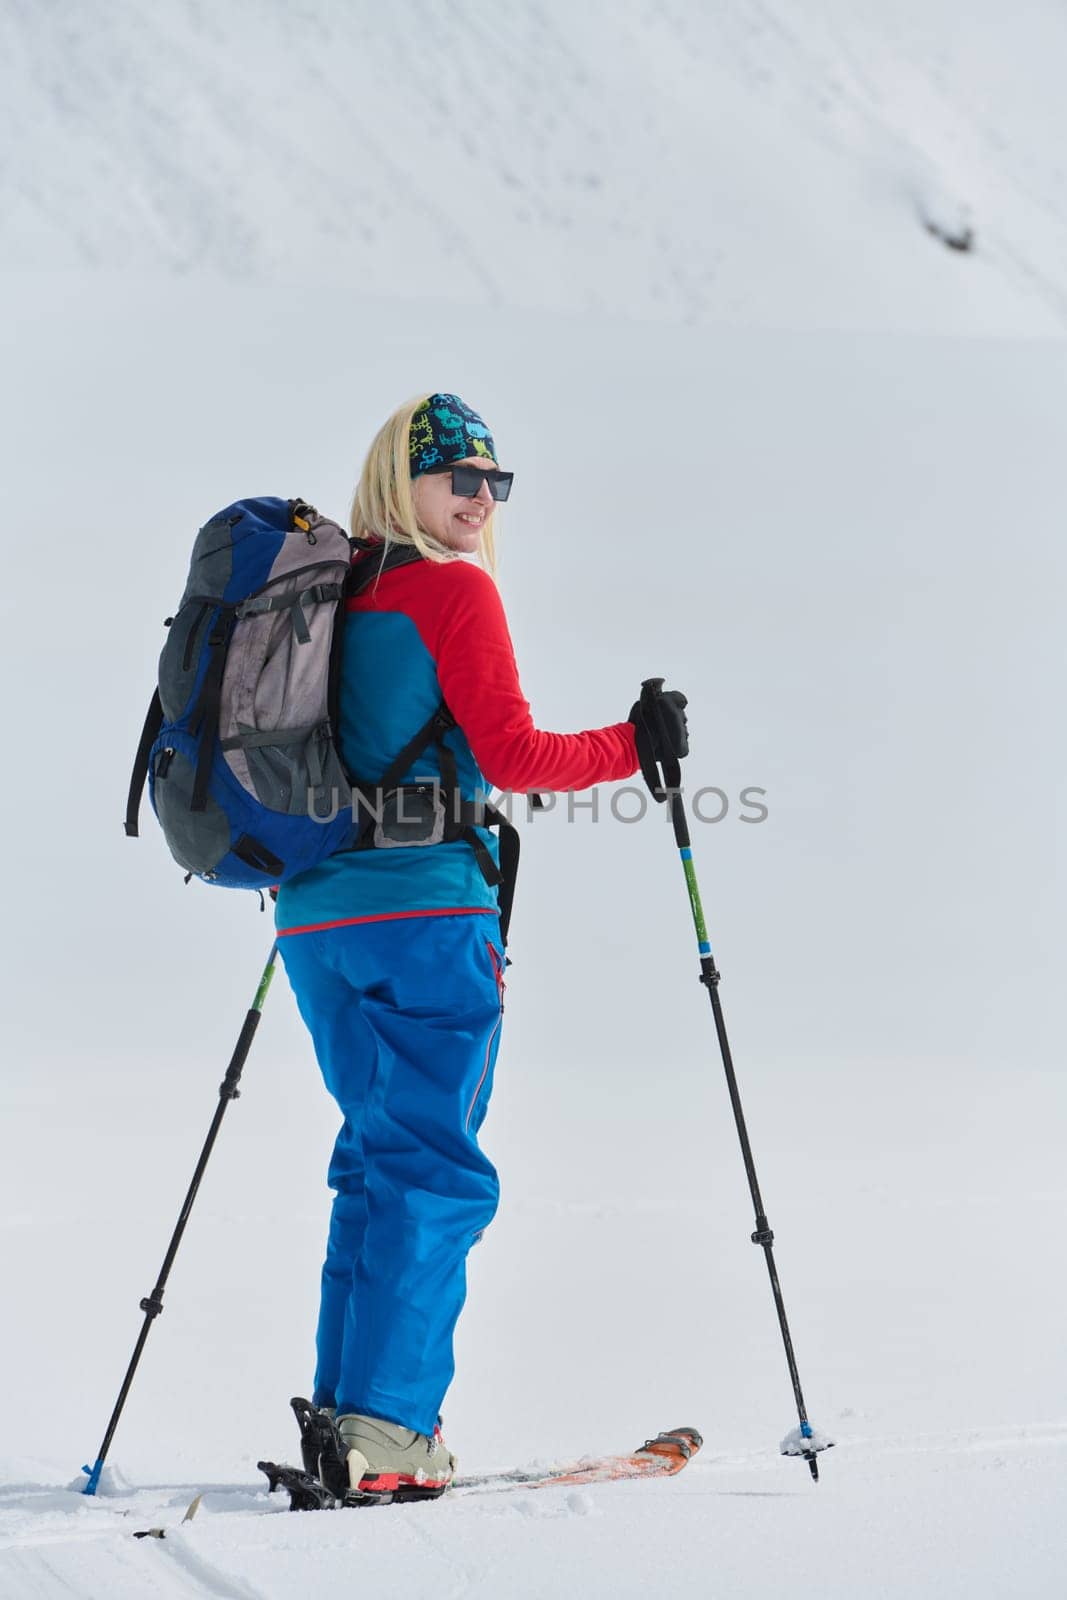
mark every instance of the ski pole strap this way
{"type": "Point", "coordinates": [152, 723]}
{"type": "Point", "coordinates": [662, 777]}
{"type": "Point", "coordinates": [651, 767]}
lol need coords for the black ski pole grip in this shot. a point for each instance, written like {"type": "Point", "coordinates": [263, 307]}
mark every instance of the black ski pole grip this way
{"type": "Point", "coordinates": [663, 777]}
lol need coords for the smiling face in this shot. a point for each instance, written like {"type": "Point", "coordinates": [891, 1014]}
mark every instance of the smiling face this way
{"type": "Point", "coordinates": [453, 520]}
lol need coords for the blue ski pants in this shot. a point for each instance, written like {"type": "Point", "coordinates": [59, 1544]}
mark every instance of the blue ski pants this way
{"type": "Point", "coordinates": [405, 1015]}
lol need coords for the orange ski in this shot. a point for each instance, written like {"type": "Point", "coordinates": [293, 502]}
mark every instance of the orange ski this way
{"type": "Point", "coordinates": [660, 1457]}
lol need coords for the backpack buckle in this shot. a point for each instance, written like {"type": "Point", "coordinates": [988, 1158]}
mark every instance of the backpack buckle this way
{"type": "Point", "coordinates": [412, 814]}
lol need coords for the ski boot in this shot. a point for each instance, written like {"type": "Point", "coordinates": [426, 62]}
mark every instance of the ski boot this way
{"type": "Point", "coordinates": [386, 1462]}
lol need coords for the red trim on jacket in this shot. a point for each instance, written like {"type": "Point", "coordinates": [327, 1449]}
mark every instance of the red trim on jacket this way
{"type": "Point", "coordinates": [457, 610]}
{"type": "Point", "coordinates": [391, 916]}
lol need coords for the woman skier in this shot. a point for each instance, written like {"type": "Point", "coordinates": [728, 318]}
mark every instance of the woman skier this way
{"type": "Point", "coordinates": [395, 954]}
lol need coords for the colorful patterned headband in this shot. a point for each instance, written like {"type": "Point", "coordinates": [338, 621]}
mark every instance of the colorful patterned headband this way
{"type": "Point", "coordinates": [443, 429]}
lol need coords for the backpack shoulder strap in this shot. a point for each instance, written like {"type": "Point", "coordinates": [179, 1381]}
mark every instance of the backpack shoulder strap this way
{"type": "Point", "coordinates": [371, 565]}
{"type": "Point", "coordinates": [432, 732]}
{"type": "Point", "coordinates": [364, 572]}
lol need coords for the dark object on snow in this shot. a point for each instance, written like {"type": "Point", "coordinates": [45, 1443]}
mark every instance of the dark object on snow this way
{"type": "Point", "coordinates": [152, 1304]}
{"type": "Point", "coordinates": [665, 782]}
{"type": "Point", "coordinates": [961, 238]}
{"type": "Point", "coordinates": [161, 1533]}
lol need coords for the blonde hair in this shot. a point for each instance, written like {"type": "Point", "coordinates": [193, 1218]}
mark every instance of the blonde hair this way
{"type": "Point", "coordinates": [383, 506]}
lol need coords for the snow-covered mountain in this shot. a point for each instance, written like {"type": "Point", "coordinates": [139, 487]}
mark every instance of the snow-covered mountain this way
{"type": "Point", "coordinates": [731, 161]}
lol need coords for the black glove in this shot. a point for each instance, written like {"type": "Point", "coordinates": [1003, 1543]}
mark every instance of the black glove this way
{"type": "Point", "coordinates": [660, 727]}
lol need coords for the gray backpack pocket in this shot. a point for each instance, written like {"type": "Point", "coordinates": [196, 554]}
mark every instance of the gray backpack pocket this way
{"type": "Point", "coordinates": [197, 840]}
{"type": "Point", "coordinates": [294, 772]}
{"type": "Point", "coordinates": [274, 725]}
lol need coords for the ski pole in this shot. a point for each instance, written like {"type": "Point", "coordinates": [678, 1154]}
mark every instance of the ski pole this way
{"type": "Point", "coordinates": [152, 1304]}
{"type": "Point", "coordinates": [803, 1441]}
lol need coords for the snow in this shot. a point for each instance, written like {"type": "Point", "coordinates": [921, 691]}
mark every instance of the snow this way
{"type": "Point", "coordinates": [722, 164]}
{"type": "Point", "coordinates": [953, 1516]}
{"type": "Point", "coordinates": [774, 442]}
{"type": "Point", "coordinates": [805, 1439]}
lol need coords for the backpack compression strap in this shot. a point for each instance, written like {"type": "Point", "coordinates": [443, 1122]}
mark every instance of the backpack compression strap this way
{"type": "Point", "coordinates": [204, 722]}
{"type": "Point", "coordinates": [152, 724]}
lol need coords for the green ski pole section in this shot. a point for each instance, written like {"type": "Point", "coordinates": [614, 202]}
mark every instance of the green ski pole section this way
{"type": "Point", "coordinates": [265, 980]}
{"type": "Point", "coordinates": [694, 901]}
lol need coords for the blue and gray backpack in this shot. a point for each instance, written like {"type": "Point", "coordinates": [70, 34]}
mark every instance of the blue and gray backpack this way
{"type": "Point", "coordinates": [238, 745]}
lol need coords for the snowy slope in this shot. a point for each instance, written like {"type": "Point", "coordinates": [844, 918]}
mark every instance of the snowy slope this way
{"type": "Point", "coordinates": [953, 1517]}
{"type": "Point", "coordinates": [712, 163]}
{"type": "Point", "coordinates": [828, 504]}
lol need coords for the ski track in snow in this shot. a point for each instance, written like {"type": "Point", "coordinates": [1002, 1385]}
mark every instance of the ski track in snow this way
{"type": "Point", "coordinates": [207, 1578]}
{"type": "Point", "coordinates": [169, 1569]}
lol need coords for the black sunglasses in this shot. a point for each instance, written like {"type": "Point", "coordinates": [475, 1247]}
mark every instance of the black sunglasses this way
{"type": "Point", "coordinates": [467, 481]}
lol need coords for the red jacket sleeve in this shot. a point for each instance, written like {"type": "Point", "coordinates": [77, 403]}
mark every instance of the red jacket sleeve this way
{"type": "Point", "coordinates": [480, 683]}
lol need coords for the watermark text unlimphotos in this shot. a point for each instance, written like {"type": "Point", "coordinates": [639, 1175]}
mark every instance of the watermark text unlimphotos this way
{"type": "Point", "coordinates": [417, 803]}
